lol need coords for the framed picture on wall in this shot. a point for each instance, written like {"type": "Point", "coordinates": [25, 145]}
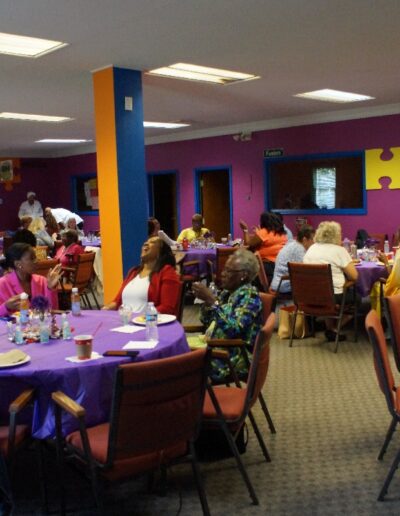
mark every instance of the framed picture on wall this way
{"type": "Point", "coordinates": [85, 194]}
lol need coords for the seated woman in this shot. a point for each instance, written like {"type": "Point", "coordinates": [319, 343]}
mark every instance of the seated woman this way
{"type": "Point", "coordinates": [268, 239]}
{"type": "Point", "coordinates": [154, 280]}
{"type": "Point", "coordinates": [236, 313]}
{"type": "Point", "coordinates": [38, 228]}
{"type": "Point", "coordinates": [71, 224]}
{"type": "Point", "coordinates": [20, 259]}
{"type": "Point", "coordinates": [328, 249]}
{"type": "Point", "coordinates": [24, 236]}
{"type": "Point", "coordinates": [68, 252]}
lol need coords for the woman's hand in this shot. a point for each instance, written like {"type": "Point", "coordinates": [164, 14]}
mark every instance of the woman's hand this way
{"type": "Point", "coordinates": [53, 277]}
{"type": "Point", "coordinates": [13, 303]}
{"type": "Point", "coordinates": [383, 258]}
{"type": "Point", "coordinates": [110, 306]}
{"type": "Point", "coordinates": [243, 225]}
{"type": "Point", "coordinates": [204, 293]}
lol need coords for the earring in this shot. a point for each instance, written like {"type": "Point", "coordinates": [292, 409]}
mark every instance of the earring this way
{"type": "Point", "coordinates": [242, 279]}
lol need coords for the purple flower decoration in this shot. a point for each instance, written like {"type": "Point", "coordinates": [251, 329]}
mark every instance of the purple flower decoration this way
{"type": "Point", "coordinates": [40, 303]}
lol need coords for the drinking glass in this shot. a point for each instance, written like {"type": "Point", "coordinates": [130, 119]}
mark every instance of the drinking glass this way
{"type": "Point", "coordinates": [125, 314]}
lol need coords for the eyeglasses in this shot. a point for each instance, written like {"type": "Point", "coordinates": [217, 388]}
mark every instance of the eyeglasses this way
{"type": "Point", "coordinates": [232, 271]}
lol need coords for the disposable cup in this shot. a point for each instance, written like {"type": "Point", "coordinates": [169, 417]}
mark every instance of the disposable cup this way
{"type": "Point", "coordinates": [84, 344]}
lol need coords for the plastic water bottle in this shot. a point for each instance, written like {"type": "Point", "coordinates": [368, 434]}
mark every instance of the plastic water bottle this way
{"type": "Point", "coordinates": [75, 302]}
{"type": "Point", "coordinates": [151, 322]}
{"type": "Point", "coordinates": [19, 337]}
{"type": "Point", "coordinates": [346, 244]}
{"type": "Point", "coordinates": [213, 287]}
{"type": "Point", "coordinates": [24, 308]}
{"type": "Point", "coordinates": [65, 328]}
{"type": "Point", "coordinates": [229, 239]}
{"type": "Point", "coordinates": [386, 248]}
{"type": "Point", "coordinates": [44, 331]}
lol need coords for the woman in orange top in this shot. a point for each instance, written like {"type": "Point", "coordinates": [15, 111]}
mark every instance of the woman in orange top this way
{"type": "Point", "coordinates": [268, 239]}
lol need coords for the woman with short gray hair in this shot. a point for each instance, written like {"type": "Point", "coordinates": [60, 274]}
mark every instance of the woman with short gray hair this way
{"type": "Point", "coordinates": [236, 313]}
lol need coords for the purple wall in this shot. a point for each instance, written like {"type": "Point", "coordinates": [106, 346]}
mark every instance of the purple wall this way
{"type": "Point", "coordinates": [51, 178]}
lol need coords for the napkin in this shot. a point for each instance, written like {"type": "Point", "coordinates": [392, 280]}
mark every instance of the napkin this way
{"type": "Point", "coordinates": [75, 359]}
{"type": "Point", "coordinates": [141, 344]}
{"type": "Point", "coordinates": [12, 357]}
{"type": "Point", "coordinates": [128, 329]}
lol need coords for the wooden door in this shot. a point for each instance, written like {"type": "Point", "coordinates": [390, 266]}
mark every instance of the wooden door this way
{"type": "Point", "coordinates": [215, 203]}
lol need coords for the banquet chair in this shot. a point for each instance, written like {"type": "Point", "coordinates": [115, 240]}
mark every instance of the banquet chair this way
{"type": "Point", "coordinates": [388, 387]}
{"type": "Point", "coordinates": [155, 417]}
{"type": "Point", "coordinates": [228, 407]}
{"type": "Point", "coordinates": [262, 277]}
{"type": "Point", "coordinates": [380, 240]}
{"type": "Point", "coordinates": [221, 257]}
{"type": "Point", "coordinates": [42, 267]}
{"type": "Point", "coordinates": [313, 294]}
{"type": "Point", "coordinates": [392, 311]}
{"type": "Point", "coordinates": [178, 311]}
{"type": "Point", "coordinates": [80, 275]}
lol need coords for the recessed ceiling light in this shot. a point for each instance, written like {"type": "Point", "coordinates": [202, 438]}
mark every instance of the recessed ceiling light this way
{"type": "Point", "coordinates": [34, 118]}
{"type": "Point", "coordinates": [201, 73]}
{"type": "Point", "coordinates": [328, 95]}
{"type": "Point", "coordinates": [164, 125]}
{"type": "Point", "coordinates": [25, 46]}
{"type": "Point", "coordinates": [61, 140]}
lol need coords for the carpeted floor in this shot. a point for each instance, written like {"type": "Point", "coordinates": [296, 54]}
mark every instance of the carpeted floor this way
{"type": "Point", "coordinates": [331, 419]}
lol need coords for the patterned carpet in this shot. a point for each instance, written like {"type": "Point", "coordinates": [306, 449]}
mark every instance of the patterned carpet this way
{"type": "Point", "coordinates": [331, 419]}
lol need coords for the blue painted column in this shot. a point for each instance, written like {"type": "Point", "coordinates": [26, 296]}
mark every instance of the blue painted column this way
{"type": "Point", "coordinates": [121, 174]}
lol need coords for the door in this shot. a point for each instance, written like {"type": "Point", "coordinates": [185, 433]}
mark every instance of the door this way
{"type": "Point", "coordinates": [162, 200]}
{"type": "Point", "coordinates": [214, 198]}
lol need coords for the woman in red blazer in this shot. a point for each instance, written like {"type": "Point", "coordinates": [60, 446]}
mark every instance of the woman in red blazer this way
{"type": "Point", "coordinates": [154, 280]}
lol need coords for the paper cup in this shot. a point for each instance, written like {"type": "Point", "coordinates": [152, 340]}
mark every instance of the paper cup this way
{"type": "Point", "coordinates": [83, 346]}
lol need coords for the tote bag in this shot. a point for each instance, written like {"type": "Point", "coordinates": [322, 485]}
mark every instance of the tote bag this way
{"type": "Point", "coordinates": [286, 316]}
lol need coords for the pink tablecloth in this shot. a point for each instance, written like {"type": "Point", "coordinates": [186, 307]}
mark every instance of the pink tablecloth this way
{"type": "Point", "coordinates": [88, 383]}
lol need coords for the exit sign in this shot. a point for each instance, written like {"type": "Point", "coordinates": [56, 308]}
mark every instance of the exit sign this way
{"type": "Point", "coordinates": [273, 153]}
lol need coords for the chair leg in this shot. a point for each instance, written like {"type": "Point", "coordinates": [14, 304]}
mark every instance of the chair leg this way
{"type": "Point", "coordinates": [389, 435]}
{"type": "Point", "coordinates": [266, 413]}
{"type": "Point", "coordinates": [42, 476]}
{"type": "Point", "coordinates": [389, 478]}
{"type": "Point", "coordinates": [293, 327]}
{"type": "Point", "coordinates": [259, 437]}
{"type": "Point", "coordinates": [94, 296]}
{"type": "Point", "coordinates": [60, 460]}
{"type": "Point", "coordinates": [198, 480]}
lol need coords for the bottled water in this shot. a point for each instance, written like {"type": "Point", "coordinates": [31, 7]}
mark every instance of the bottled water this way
{"type": "Point", "coordinates": [44, 331]}
{"type": "Point", "coordinates": [151, 322]}
{"type": "Point", "coordinates": [346, 244]}
{"type": "Point", "coordinates": [213, 287]}
{"type": "Point", "coordinates": [386, 248]}
{"type": "Point", "coordinates": [65, 328]}
{"type": "Point", "coordinates": [75, 302]}
{"type": "Point", "coordinates": [24, 308]}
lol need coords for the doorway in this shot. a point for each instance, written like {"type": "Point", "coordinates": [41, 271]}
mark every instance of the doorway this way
{"type": "Point", "coordinates": [163, 198]}
{"type": "Point", "coordinates": [213, 187]}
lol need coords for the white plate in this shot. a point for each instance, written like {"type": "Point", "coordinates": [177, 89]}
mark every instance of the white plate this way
{"type": "Point", "coordinates": [162, 319]}
{"type": "Point", "coordinates": [24, 361]}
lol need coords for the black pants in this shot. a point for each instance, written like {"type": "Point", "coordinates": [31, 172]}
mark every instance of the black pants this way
{"type": "Point", "coordinates": [269, 268]}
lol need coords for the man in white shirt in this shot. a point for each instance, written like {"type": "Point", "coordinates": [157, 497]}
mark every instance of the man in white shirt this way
{"type": "Point", "coordinates": [63, 215]}
{"type": "Point", "coordinates": [31, 207]}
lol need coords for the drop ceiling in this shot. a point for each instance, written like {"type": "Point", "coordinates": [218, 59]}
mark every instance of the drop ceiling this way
{"type": "Point", "coordinates": [294, 45]}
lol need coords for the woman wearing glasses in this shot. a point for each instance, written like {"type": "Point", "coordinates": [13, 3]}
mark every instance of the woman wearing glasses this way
{"type": "Point", "coordinates": [236, 312]}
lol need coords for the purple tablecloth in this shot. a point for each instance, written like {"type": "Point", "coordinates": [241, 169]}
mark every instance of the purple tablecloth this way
{"type": "Point", "coordinates": [202, 255]}
{"type": "Point", "coordinates": [88, 383]}
{"type": "Point", "coordinates": [368, 274]}
{"type": "Point", "coordinates": [95, 242]}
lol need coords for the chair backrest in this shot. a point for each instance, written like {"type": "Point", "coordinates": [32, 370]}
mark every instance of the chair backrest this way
{"type": "Point", "coordinates": [41, 252]}
{"type": "Point", "coordinates": [383, 370]}
{"type": "Point", "coordinates": [312, 288]}
{"type": "Point", "coordinates": [393, 311]}
{"type": "Point", "coordinates": [262, 277]}
{"type": "Point", "coordinates": [83, 273]}
{"type": "Point", "coordinates": [380, 237]}
{"type": "Point", "coordinates": [42, 267]}
{"type": "Point", "coordinates": [259, 362]}
{"type": "Point", "coordinates": [157, 404]}
{"type": "Point", "coordinates": [222, 255]}
{"type": "Point", "coordinates": [267, 304]}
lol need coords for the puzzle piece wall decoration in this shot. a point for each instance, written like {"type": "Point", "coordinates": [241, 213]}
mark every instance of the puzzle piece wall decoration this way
{"type": "Point", "coordinates": [376, 167]}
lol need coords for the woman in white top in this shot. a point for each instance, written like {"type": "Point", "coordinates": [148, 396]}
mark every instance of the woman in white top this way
{"type": "Point", "coordinates": [328, 249]}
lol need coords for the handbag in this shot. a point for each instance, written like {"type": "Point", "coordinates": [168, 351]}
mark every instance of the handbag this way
{"type": "Point", "coordinates": [286, 316]}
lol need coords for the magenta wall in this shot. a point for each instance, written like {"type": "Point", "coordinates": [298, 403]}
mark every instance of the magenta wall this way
{"type": "Point", "coordinates": [51, 178]}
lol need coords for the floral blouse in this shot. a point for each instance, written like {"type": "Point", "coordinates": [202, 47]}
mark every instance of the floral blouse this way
{"type": "Point", "coordinates": [238, 316]}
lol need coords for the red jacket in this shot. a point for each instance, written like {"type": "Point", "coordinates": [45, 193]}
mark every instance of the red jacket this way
{"type": "Point", "coordinates": [163, 289]}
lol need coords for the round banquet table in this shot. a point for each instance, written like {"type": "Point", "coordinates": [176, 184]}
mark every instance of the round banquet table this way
{"type": "Point", "coordinates": [87, 382]}
{"type": "Point", "coordinates": [368, 274]}
{"type": "Point", "coordinates": [203, 256]}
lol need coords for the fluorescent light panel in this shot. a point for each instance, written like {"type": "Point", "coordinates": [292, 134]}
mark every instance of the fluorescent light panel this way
{"type": "Point", "coordinates": [61, 140]}
{"type": "Point", "coordinates": [34, 118]}
{"type": "Point", "coordinates": [329, 95]}
{"type": "Point", "coordinates": [201, 73]}
{"type": "Point", "coordinates": [25, 46]}
{"type": "Point", "coordinates": [164, 125]}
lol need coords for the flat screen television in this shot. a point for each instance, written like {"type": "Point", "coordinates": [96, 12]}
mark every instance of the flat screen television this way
{"type": "Point", "coordinates": [323, 183]}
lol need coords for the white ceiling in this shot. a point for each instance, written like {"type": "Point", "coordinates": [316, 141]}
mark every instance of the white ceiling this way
{"type": "Point", "coordinates": [294, 45]}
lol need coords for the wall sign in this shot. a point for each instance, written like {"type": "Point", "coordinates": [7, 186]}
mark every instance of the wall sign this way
{"type": "Point", "coordinates": [273, 153]}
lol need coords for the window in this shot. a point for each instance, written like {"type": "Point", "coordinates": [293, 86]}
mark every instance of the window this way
{"type": "Point", "coordinates": [324, 182]}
